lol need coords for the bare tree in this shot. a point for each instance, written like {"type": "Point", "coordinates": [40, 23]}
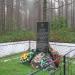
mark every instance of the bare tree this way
{"type": "Point", "coordinates": [9, 17]}
{"type": "Point", "coordinates": [2, 15]}
{"type": "Point", "coordinates": [66, 11]}
{"type": "Point", "coordinates": [17, 14]}
{"type": "Point", "coordinates": [60, 7]}
{"type": "Point", "coordinates": [24, 13]}
{"type": "Point", "coordinates": [73, 14]}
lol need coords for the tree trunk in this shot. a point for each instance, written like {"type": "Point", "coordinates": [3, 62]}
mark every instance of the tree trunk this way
{"type": "Point", "coordinates": [9, 17]}
{"type": "Point", "coordinates": [18, 15]}
{"type": "Point", "coordinates": [2, 16]}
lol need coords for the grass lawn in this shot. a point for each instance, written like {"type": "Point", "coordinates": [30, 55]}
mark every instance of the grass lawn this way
{"type": "Point", "coordinates": [14, 67]}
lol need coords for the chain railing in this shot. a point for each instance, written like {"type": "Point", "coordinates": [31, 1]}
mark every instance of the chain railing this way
{"type": "Point", "coordinates": [66, 67]}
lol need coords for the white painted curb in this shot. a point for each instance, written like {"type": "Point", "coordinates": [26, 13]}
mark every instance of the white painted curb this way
{"type": "Point", "coordinates": [17, 47]}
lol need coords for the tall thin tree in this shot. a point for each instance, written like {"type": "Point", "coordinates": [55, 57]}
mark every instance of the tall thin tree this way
{"type": "Point", "coordinates": [9, 18]}
{"type": "Point", "coordinates": [18, 15]}
{"type": "Point", "coordinates": [2, 16]}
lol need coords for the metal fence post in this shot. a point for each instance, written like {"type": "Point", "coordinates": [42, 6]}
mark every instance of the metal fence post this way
{"type": "Point", "coordinates": [64, 65]}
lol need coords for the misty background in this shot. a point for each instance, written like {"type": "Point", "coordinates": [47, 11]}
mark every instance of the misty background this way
{"type": "Point", "coordinates": [18, 19]}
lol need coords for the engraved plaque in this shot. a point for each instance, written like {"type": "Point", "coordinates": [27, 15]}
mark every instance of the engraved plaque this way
{"type": "Point", "coordinates": [42, 36]}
